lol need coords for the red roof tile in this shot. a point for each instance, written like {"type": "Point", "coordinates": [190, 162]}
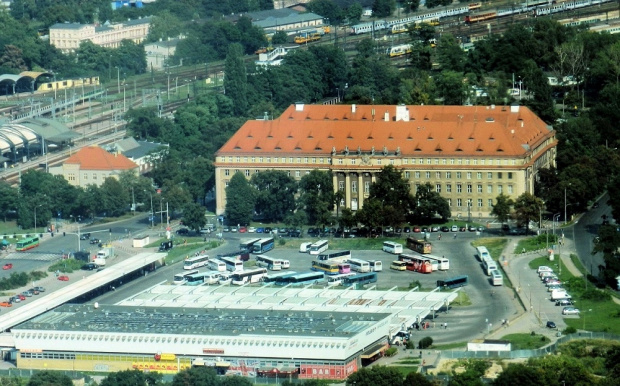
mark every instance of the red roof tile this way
{"type": "Point", "coordinates": [96, 158]}
{"type": "Point", "coordinates": [430, 130]}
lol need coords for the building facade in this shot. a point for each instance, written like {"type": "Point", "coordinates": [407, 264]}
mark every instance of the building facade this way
{"type": "Point", "coordinates": [68, 36]}
{"type": "Point", "coordinates": [469, 154]}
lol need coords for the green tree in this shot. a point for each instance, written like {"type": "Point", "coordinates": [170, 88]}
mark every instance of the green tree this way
{"type": "Point", "coordinates": [376, 376]}
{"type": "Point", "coordinates": [354, 13]}
{"type": "Point", "coordinates": [411, 5]}
{"type": "Point", "coordinates": [280, 37]}
{"type": "Point", "coordinates": [176, 196]}
{"type": "Point", "coordinates": [449, 53]}
{"type": "Point", "coordinates": [450, 87]}
{"type": "Point", "coordinates": [12, 58]}
{"type": "Point", "coordinates": [132, 378]}
{"type": "Point", "coordinates": [197, 375]}
{"type": "Point", "coordinates": [429, 204]}
{"type": "Point", "coordinates": [326, 8]}
{"type": "Point", "coordinates": [163, 26]}
{"type": "Point", "coordinates": [49, 378]}
{"type": "Point", "coordinates": [235, 381]}
{"type": "Point", "coordinates": [383, 8]}
{"type": "Point", "coordinates": [501, 209]}
{"type": "Point", "coordinates": [194, 216]}
{"type": "Point", "coordinates": [416, 379]}
{"type": "Point", "coordinates": [235, 79]}
{"type": "Point", "coordinates": [371, 214]}
{"type": "Point", "coordinates": [347, 220]}
{"type": "Point", "coordinates": [520, 374]}
{"type": "Point", "coordinates": [393, 192]}
{"type": "Point", "coordinates": [115, 197]}
{"type": "Point", "coordinates": [527, 207]}
{"type": "Point", "coordinates": [317, 196]}
{"type": "Point", "coordinates": [275, 194]}
{"type": "Point", "coordinates": [240, 200]}
{"type": "Point", "coordinates": [8, 199]}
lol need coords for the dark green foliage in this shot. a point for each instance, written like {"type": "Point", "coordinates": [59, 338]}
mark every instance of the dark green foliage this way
{"type": "Point", "coordinates": [240, 200]}
{"type": "Point", "coordinates": [49, 378]}
{"type": "Point", "coordinates": [235, 80]}
{"type": "Point", "coordinates": [428, 205]}
{"type": "Point", "coordinates": [375, 376]}
{"type": "Point", "coordinates": [194, 216]}
{"type": "Point", "coordinates": [132, 378]}
{"type": "Point", "coordinates": [425, 342]}
{"type": "Point", "coordinates": [317, 197]}
{"type": "Point", "coordinates": [275, 194]}
{"type": "Point", "coordinates": [198, 375]}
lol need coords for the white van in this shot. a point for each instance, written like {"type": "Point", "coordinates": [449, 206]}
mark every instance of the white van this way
{"type": "Point", "coordinates": [285, 264]}
{"type": "Point", "coordinates": [212, 277]}
{"type": "Point", "coordinates": [560, 294]}
{"type": "Point", "coordinates": [304, 247]}
{"type": "Point", "coordinates": [216, 265]}
{"type": "Point", "coordinates": [543, 268]}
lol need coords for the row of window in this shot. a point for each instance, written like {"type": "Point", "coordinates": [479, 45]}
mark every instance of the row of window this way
{"type": "Point", "coordinates": [470, 203]}
{"type": "Point", "coordinates": [438, 188]}
{"type": "Point", "coordinates": [340, 161]}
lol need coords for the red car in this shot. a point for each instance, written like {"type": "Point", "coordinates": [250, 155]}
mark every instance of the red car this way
{"type": "Point", "coordinates": [6, 304]}
{"type": "Point", "coordinates": [7, 266]}
{"type": "Point", "coordinates": [243, 229]}
{"type": "Point", "coordinates": [21, 297]}
{"type": "Point", "coordinates": [63, 278]}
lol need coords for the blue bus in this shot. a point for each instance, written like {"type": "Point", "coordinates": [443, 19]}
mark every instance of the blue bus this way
{"type": "Point", "coordinates": [454, 282]}
{"type": "Point", "coordinates": [264, 245]}
{"type": "Point", "coordinates": [362, 278]}
{"type": "Point", "coordinates": [301, 279]}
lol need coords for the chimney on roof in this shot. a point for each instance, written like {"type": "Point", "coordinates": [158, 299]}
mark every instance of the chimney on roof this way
{"type": "Point", "coordinates": [386, 116]}
{"type": "Point", "coordinates": [514, 108]}
{"type": "Point", "coordinates": [299, 106]}
{"type": "Point", "coordinates": [402, 113]}
{"type": "Point", "coordinates": [353, 107]}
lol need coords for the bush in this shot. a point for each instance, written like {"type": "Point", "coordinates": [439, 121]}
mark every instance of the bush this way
{"type": "Point", "coordinates": [390, 352]}
{"type": "Point", "coordinates": [425, 342]}
{"type": "Point", "coordinates": [281, 242]}
{"type": "Point", "coordinates": [410, 345]}
{"type": "Point", "coordinates": [414, 284]}
{"type": "Point", "coordinates": [569, 330]}
{"type": "Point", "coordinates": [595, 295]}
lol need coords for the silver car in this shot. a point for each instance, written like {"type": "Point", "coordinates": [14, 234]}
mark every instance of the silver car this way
{"type": "Point", "coordinates": [570, 311]}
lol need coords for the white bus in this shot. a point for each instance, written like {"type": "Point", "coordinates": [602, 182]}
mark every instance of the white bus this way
{"type": "Point", "coordinates": [196, 279]}
{"type": "Point", "coordinates": [337, 279]}
{"type": "Point", "coordinates": [359, 265]}
{"type": "Point", "coordinates": [443, 264]}
{"type": "Point", "coordinates": [272, 263]}
{"type": "Point", "coordinates": [482, 252]}
{"type": "Point", "coordinates": [196, 262]}
{"type": "Point", "coordinates": [398, 265]}
{"type": "Point", "coordinates": [375, 265]}
{"type": "Point", "coordinates": [216, 265]}
{"type": "Point", "coordinates": [340, 256]}
{"type": "Point", "coordinates": [232, 265]}
{"type": "Point", "coordinates": [249, 276]}
{"type": "Point", "coordinates": [271, 278]}
{"type": "Point", "coordinates": [497, 277]}
{"type": "Point", "coordinates": [319, 247]}
{"type": "Point", "coordinates": [248, 245]}
{"type": "Point", "coordinates": [489, 265]}
{"type": "Point", "coordinates": [181, 278]}
{"type": "Point", "coordinates": [392, 247]}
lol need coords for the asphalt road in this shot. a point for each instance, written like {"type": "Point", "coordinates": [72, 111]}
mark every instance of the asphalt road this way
{"type": "Point", "coordinates": [584, 232]}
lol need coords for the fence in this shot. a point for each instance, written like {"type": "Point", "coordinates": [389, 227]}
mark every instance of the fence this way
{"type": "Point", "coordinates": [527, 353]}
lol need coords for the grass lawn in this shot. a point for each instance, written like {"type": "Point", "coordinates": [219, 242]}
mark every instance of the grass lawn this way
{"type": "Point", "coordinates": [450, 346]}
{"type": "Point", "coordinates": [462, 300]}
{"type": "Point", "coordinates": [494, 245]}
{"type": "Point", "coordinates": [526, 341]}
{"type": "Point", "coordinates": [543, 260]}
{"type": "Point", "coordinates": [405, 370]}
{"type": "Point", "coordinates": [536, 243]}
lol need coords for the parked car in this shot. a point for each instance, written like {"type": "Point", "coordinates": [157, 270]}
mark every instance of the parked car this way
{"type": "Point", "coordinates": [243, 229]}
{"type": "Point", "coordinates": [7, 266]}
{"type": "Point", "coordinates": [480, 229]}
{"type": "Point", "coordinates": [434, 229]}
{"type": "Point", "coordinates": [6, 304]}
{"type": "Point", "coordinates": [251, 230]}
{"type": "Point", "coordinates": [89, 267]}
{"type": "Point", "coordinates": [63, 278]}
{"type": "Point", "coordinates": [407, 230]}
{"type": "Point", "coordinates": [295, 233]}
{"type": "Point", "coordinates": [445, 229]}
{"type": "Point", "coordinates": [417, 230]}
{"type": "Point", "coordinates": [551, 324]}
{"type": "Point", "coordinates": [95, 241]}
{"type": "Point", "coordinates": [424, 229]}
{"type": "Point", "coordinates": [14, 299]}
{"type": "Point", "coordinates": [260, 230]}
{"type": "Point", "coordinates": [34, 291]}
{"type": "Point", "coordinates": [454, 228]}
{"type": "Point", "coordinates": [182, 231]}
{"type": "Point", "coordinates": [27, 293]}
{"type": "Point", "coordinates": [226, 229]}
{"type": "Point", "coordinates": [472, 228]}
{"type": "Point", "coordinates": [564, 302]}
{"type": "Point", "coordinates": [21, 296]}
{"type": "Point", "coordinates": [570, 311]}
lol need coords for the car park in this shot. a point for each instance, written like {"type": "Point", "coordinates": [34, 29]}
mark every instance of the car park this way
{"type": "Point", "coordinates": [7, 266]}
{"type": "Point", "coordinates": [63, 278]}
{"type": "Point", "coordinates": [89, 267]}
{"type": "Point", "coordinates": [551, 324]}
{"type": "Point", "coordinates": [570, 311]}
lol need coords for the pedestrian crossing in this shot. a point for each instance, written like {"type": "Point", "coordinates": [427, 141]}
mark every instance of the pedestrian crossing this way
{"type": "Point", "coordinates": [38, 256]}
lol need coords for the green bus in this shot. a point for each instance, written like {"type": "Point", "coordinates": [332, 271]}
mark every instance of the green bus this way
{"type": "Point", "coordinates": [27, 243]}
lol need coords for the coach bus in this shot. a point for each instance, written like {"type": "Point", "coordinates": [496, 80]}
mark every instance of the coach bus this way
{"type": "Point", "coordinates": [272, 263]}
{"type": "Point", "coordinates": [181, 278]}
{"type": "Point", "coordinates": [248, 245]}
{"type": "Point", "coordinates": [483, 252]}
{"type": "Point", "coordinates": [416, 263]}
{"type": "Point", "coordinates": [264, 245]}
{"type": "Point", "coordinates": [249, 276]}
{"type": "Point", "coordinates": [26, 244]}
{"type": "Point", "coordinates": [392, 247]}
{"type": "Point", "coordinates": [420, 246]}
{"type": "Point", "coordinates": [216, 265]}
{"type": "Point", "coordinates": [330, 267]}
{"type": "Point", "coordinates": [443, 264]}
{"type": "Point", "coordinates": [375, 265]}
{"type": "Point", "coordinates": [196, 278]}
{"type": "Point", "coordinates": [271, 278]}
{"type": "Point", "coordinates": [319, 247]}
{"type": "Point", "coordinates": [337, 279]}
{"type": "Point", "coordinates": [489, 265]}
{"type": "Point", "coordinates": [398, 265]}
{"type": "Point", "coordinates": [361, 279]}
{"type": "Point", "coordinates": [454, 282]}
{"type": "Point", "coordinates": [496, 277]}
{"type": "Point", "coordinates": [239, 255]}
{"type": "Point", "coordinates": [359, 265]}
{"type": "Point", "coordinates": [195, 262]}
{"type": "Point", "coordinates": [301, 279]}
{"type": "Point", "coordinates": [336, 256]}
{"type": "Point", "coordinates": [232, 265]}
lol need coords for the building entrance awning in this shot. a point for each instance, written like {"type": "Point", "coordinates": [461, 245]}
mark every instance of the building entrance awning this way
{"type": "Point", "coordinates": [374, 350]}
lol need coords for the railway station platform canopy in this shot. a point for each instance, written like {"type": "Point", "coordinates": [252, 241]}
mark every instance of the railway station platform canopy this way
{"type": "Point", "coordinates": [33, 135]}
{"type": "Point", "coordinates": [24, 82]}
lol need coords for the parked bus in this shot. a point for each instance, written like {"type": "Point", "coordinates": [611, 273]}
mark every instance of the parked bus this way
{"type": "Point", "coordinates": [331, 267]}
{"type": "Point", "coordinates": [392, 247]}
{"type": "Point", "coordinates": [272, 263]}
{"type": "Point", "coordinates": [301, 279]}
{"type": "Point", "coordinates": [416, 263]}
{"type": "Point", "coordinates": [239, 255]}
{"type": "Point", "coordinates": [337, 279]}
{"type": "Point", "coordinates": [196, 278]}
{"type": "Point", "coordinates": [264, 245]}
{"type": "Point", "coordinates": [271, 278]}
{"type": "Point", "coordinates": [361, 279]}
{"type": "Point", "coordinates": [497, 277]}
{"type": "Point", "coordinates": [489, 265]}
{"type": "Point", "coordinates": [181, 278]}
{"type": "Point", "coordinates": [483, 252]}
{"type": "Point", "coordinates": [232, 265]}
{"type": "Point", "coordinates": [248, 245]}
{"type": "Point", "coordinates": [216, 265]}
{"type": "Point", "coordinates": [195, 262]}
{"type": "Point", "coordinates": [319, 247]}
{"type": "Point", "coordinates": [336, 256]}
{"type": "Point", "coordinates": [26, 244]}
{"type": "Point", "coordinates": [398, 265]}
{"type": "Point", "coordinates": [443, 264]}
{"type": "Point", "coordinates": [375, 265]}
{"type": "Point", "coordinates": [454, 282]}
{"type": "Point", "coordinates": [420, 246]}
{"type": "Point", "coordinates": [359, 265]}
{"type": "Point", "coordinates": [249, 276]}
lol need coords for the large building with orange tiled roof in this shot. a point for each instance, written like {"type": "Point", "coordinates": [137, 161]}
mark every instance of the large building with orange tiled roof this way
{"type": "Point", "coordinates": [91, 165]}
{"type": "Point", "coordinates": [469, 154]}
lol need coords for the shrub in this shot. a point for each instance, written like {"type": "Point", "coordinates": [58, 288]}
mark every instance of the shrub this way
{"type": "Point", "coordinates": [425, 342]}
{"type": "Point", "coordinates": [390, 352]}
{"type": "Point", "coordinates": [569, 330]}
{"type": "Point", "coordinates": [595, 295]}
{"type": "Point", "coordinates": [410, 345]}
{"type": "Point", "coordinates": [281, 242]}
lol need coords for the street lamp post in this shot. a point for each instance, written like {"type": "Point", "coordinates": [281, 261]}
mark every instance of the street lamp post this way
{"type": "Point", "coordinates": [35, 217]}
{"type": "Point", "coordinates": [564, 206]}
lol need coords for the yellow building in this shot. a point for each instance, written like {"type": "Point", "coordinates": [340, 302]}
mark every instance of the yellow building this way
{"type": "Point", "coordinates": [469, 154]}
